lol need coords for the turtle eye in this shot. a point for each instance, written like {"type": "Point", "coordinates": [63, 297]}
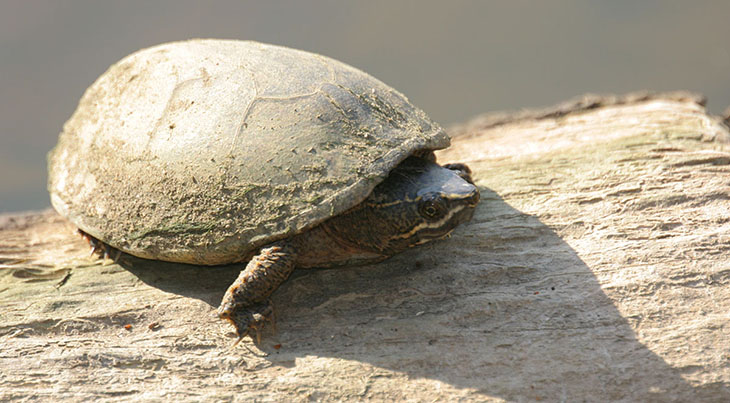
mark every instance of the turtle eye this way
{"type": "Point", "coordinates": [432, 208]}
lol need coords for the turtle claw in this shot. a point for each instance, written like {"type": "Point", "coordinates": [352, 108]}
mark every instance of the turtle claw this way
{"type": "Point", "coordinates": [247, 319]}
{"type": "Point", "coordinates": [98, 247]}
{"type": "Point", "coordinates": [238, 340]}
{"type": "Point", "coordinates": [93, 242]}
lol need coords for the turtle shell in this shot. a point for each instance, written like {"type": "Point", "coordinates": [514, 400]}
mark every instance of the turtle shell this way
{"type": "Point", "coordinates": [200, 151]}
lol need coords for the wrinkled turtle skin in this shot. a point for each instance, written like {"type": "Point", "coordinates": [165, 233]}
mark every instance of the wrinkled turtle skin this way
{"type": "Point", "coordinates": [211, 151]}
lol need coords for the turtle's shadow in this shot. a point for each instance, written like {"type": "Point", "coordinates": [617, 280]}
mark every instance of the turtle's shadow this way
{"type": "Point", "coordinates": [206, 283]}
{"type": "Point", "coordinates": [505, 307]}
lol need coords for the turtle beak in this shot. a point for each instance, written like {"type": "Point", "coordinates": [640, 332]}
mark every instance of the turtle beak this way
{"type": "Point", "coordinates": [472, 199]}
{"type": "Point", "coordinates": [468, 199]}
{"type": "Point", "coordinates": [460, 192]}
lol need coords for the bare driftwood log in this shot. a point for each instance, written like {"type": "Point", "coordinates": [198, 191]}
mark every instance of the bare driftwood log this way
{"type": "Point", "coordinates": [596, 268]}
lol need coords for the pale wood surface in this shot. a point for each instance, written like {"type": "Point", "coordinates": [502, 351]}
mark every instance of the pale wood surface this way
{"type": "Point", "coordinates": [596, 268]}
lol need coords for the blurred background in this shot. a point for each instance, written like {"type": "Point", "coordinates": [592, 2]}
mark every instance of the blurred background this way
{"type": "Point", "coordinates": [454, 59]}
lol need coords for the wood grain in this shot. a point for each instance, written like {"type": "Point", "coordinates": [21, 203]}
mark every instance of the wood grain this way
{"type": "Point", "coordinates": [596, 268]}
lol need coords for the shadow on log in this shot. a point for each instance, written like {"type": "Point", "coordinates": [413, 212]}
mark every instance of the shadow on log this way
{"type": "Point", "coordinates": [594, 269]}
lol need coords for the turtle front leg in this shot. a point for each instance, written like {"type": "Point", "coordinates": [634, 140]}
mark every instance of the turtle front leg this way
{"type": "Point", "coordinates": [246, 304]}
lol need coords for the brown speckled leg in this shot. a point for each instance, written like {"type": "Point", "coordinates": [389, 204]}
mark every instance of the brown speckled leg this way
{"type": "Point", "coordinates": [246, 303]}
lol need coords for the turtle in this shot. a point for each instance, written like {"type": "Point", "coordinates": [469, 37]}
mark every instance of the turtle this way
{"type": "Point", "coordinates": [213, 152]}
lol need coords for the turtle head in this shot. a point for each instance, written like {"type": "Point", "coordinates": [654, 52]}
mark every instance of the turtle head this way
{"type": "Point", "coordinates": [418, 202]}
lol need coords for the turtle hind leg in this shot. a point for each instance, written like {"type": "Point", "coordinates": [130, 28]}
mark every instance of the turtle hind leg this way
{"type": "Point", "coordinates": [246, 303]}
{"type": "Point", "coordinates": [100, 248]}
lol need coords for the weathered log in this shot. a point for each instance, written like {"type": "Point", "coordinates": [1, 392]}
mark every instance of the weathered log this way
{"type": "Point", "coordinates": [596, 268]}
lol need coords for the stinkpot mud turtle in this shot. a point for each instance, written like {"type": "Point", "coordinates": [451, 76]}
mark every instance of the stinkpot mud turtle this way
{"type": "Point", "coordinates": [217, 151]}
